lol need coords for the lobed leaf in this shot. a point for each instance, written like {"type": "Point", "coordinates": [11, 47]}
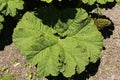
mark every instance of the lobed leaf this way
{"type": "Point", "coordinates": [64, 22]}
{"type": "Point", "coordinates": [37, 38]}
{"type": "Point", "coordinates": [53, 54]}
{"type": "Point", "coordinates": [9, 7]}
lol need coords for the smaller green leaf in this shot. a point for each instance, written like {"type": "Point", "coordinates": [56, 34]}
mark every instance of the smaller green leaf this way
{"type": "Point", "coordinates": [71, 21]}
{"type": "Point", "coordinates": [104, 1]}
{"type": "Point", "coordinates": [1, 20]}
{"type": "Point", "coordinates": [118, 1]}
{"type": "Point", "coordinates": [9, 7]}
{"type": "Point", "coordinates": [91, 2]}
{"type": "Point", "coordinates": [47, 1]}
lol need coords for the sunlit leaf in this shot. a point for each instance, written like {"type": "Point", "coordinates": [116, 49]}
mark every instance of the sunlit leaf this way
{"type": "Point", "coordinates": [9, 7]}
{"type": "Point", "coordinates": [53, 54]}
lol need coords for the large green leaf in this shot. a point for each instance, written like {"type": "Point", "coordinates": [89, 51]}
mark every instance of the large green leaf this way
{"type": "Point", "coordinates": [38, 40]}
{"type": "Point", "coordinates": [9, 7]}
{"type": "Point", "coordinates": [70, 21]}
{"type": "Point", "coordinates": [1, 20]}
{"type": "Point", "coordinates": [66, 22]}
{"type": "Point", "coordinates": [54, 54]}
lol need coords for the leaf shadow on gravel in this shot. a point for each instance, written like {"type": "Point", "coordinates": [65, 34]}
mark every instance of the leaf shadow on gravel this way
{"type": "Point", "coordinates": [90, 70]}
{"type": "Point", "coordinates": [7, 31]}
{"type": "Point", "coordinates": [107, 31]}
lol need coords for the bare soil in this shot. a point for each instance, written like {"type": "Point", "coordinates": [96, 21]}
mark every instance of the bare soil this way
{"type": "Point", "coordinates": [108, 67]}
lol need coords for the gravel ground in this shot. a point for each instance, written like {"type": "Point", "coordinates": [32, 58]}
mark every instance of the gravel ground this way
{"type": "Point", "coordinates": [109, 68]}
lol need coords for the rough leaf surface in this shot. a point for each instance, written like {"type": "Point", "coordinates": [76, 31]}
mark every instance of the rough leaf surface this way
{"type": "Point", "coordinates": [9, 7]}
{"type": "Point", "coordinates": [65, 22]}
{"type": "Point", "coordinates": [54, 54]}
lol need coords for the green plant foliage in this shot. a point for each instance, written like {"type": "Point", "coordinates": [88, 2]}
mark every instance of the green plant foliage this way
{"type": "Point", "coordinates": [1, 20]}
{"type": "Point", "coordinates": [90, 2]}
{"type": "Point", "coordinates": [47, 1]}
{"type": "Point", "coordinates": [102, 23]}
{"type": "Point", "coordinates": [9, 7]}
{"type": "Point", "coordinates": [118, 1]}
{"type": "Point", "coordinates": [54, 53]}
{"type": "Point", "coordinates": [66, 22]}
{"type": "Point", "coordinates": [7, 78]}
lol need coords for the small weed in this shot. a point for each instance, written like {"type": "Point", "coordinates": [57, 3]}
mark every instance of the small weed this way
{"type": "Point", "coordinates": [29, 75]}
{"type": "Point", "coordinates": [115, 37]}
{"type": "Point", "coordinates": [15, 60]}
{"type": "Point", "coordinates": [109, 52]}
{"type": "Point", "coordinates": [4, 69]}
